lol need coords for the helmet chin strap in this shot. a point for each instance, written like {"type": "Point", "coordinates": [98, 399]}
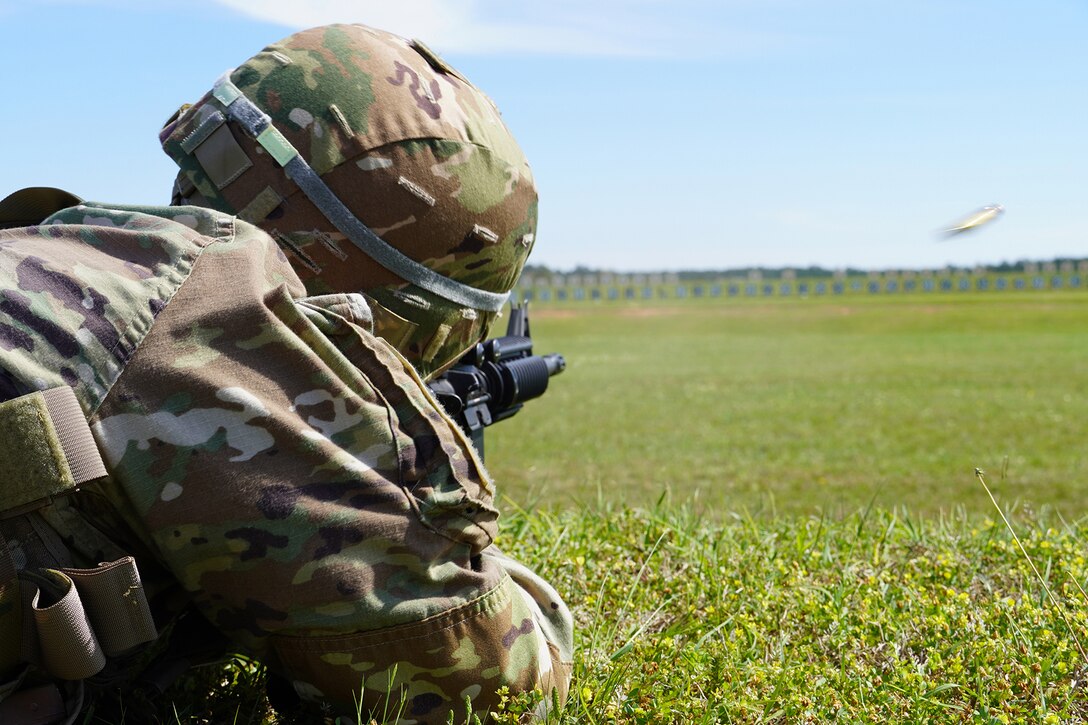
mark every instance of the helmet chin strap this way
{"type": "Point", "coordinates": [259, 126]}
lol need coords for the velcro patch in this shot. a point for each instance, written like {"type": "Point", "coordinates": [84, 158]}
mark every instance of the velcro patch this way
{"type": "Point", "coordinates": [275, 144]}
{"type": "Point", "coordinates": [46, 449]}
{"type": "Point", "coordinates": [31, 459]}
{"type": "Point", "coordinates": [222, 159]}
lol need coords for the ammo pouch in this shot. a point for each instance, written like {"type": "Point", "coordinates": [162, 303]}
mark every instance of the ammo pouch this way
{"type": "Point", "coordinates": [55, 620]}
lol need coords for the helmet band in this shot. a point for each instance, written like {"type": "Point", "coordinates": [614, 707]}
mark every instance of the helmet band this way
{"type": "Point", "coordinates": [259, 126]}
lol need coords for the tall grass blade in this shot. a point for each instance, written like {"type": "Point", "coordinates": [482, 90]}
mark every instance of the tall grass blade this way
{"type": "Point", "coordinates": [1050, 595]}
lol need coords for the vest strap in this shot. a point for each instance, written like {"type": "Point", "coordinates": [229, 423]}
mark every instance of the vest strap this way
{"type": "Point", "coordinates": [69, 647]}
{"type": "Point", "coordinates": [116, 605]}
{"type": "Point", "coordinates": [46, 450]}
{"type": "Point", "coordinates": [83, 616]}
{"type": "Point", "coordinates": [11, 613]}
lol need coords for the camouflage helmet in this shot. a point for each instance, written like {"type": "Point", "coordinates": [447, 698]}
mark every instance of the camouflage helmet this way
{"type": "Point", "coordinates": [378, 169]}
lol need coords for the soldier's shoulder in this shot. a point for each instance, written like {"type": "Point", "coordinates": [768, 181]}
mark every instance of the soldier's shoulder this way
{"type": "Point", "coordinates": [81, 289]}
{"type": "Point", "coordinates": [188, 221]}
{"type": "Point", "coordinates": [26, 211]}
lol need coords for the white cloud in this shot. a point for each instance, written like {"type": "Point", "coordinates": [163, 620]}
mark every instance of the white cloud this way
{"type": "Point", "coordinates": [558, 27]}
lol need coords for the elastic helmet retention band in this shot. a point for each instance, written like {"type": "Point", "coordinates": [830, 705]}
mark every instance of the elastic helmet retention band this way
{"type": "Point", "coordinates": [259, 126]}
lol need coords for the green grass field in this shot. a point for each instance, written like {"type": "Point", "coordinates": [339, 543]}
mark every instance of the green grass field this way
{"type": "Point", "coordinates": [807, 405]}
{"type": "Point", "coordinates": [766, 511]}
{"type": "Point", "coordinates": [877, 617]}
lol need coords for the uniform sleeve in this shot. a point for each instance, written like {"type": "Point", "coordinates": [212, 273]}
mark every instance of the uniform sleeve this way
{"type": "Point", "coordinates": [293, 474]}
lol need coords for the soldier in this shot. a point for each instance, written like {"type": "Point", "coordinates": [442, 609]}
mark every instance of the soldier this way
{"type": "Point", "coordinates": [349, 218]}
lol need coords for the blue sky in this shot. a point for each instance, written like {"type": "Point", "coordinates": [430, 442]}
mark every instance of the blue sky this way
{"type": "Point", "coordinates": [682, 134]}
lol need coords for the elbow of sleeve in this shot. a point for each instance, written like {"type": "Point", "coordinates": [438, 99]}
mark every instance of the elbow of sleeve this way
{"type": "Point", "coordinates": [430, 668]}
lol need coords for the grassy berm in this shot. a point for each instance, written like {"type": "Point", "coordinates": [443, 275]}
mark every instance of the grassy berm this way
{"type": "Point", "coordinates": [875, 617]}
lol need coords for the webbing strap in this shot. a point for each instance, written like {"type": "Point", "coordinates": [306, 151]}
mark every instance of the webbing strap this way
{"type": "Point", "coordinates": [96, 613]}
{"type": "Point", "coordinates": [116, 606]}
{"type": "Point", "coordinates": [74, 434]}
{"type": "Point", "coordinates": [259, 126]}
{"type": "Point", "coordinates": [46, 449]}
{"type": "Point", "coordinates": [70, 650]}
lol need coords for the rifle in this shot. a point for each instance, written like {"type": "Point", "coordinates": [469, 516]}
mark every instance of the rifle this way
{"type": "Point", "coordinates": [492, 381]}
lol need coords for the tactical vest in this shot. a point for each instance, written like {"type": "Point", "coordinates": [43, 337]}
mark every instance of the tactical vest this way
{"type": "Point", "coordinates": [59, 625]}
{"type": "Point", "coordinates": [56, 622]}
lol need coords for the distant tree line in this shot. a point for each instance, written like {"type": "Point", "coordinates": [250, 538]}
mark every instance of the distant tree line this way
{"type": "Point", "coordinates": [771, 273]}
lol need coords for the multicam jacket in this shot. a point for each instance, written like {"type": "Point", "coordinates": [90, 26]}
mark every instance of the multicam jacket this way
{"type": "Point", "coordinates": [275, 459]}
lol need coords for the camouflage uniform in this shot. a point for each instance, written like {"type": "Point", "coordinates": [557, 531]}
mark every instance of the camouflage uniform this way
{"type": "Point", "coordinates": [272, 450]}
{"type": "Point", "coordinates": [284, 465]}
